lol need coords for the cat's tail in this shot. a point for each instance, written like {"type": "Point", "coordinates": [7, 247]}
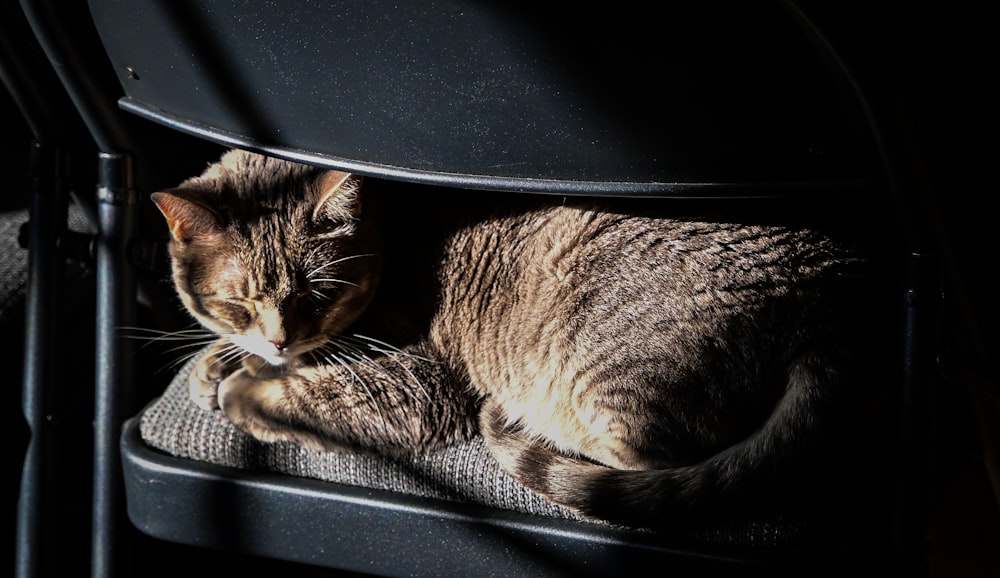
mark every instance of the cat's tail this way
{"type": "Point", "coordinates": [666, 496]}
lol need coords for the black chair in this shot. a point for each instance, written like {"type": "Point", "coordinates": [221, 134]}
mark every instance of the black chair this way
{"type": "Point", "coordinates": [777, 105]}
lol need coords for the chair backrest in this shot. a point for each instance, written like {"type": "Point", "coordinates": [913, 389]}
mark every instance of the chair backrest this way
{"type": "Point", "coordinates": [677, 100]}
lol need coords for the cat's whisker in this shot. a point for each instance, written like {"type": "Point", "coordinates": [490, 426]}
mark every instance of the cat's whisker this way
{"type": "Point", "coordinates": [413, 377]}
{"type": "Point", "coordinates": [183, 359]}
{"type": "Point", "coordinates": [361, 357]}
{"type": "Point", "coordinates": [155, 335]}
{"type": "Point", "coordinates": [391, 352]}
{"type": "Point", "coordinates": [372, 343]}
{"type": "Point", "coordinates": [333, 356]}
{"type": "Point", "coordinates": [333, 280]}
{"type": "Point", "coordinates": [192, 341]}
{"type": "Point", "coordinates": [321, 268]}
{"type": "Point", "coordinates": [320, 296]}
{"type": "Point", "coordinates": [194, 346]}
{"type": "Point", "coordinates": [159, 332]}
{"type": "Point", "coordinates": [358, 356]}
{"type": "Point", "coordinates": [231, 354]}
{"type": "Point", "coordinates": [361, 382]}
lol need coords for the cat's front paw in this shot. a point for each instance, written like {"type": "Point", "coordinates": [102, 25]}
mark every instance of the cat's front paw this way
{"type": "Point", "coordinates": [258, 407]}
{"type": "Point", "coordinates": [205, 377]}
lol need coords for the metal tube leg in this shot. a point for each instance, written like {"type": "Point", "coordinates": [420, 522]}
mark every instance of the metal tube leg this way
{"type": "Point", "coordinates": [47, 218]}
{"type": "Point", "coordinates": [116, 303]}
{"type": "Point", "coordinates": [919, 367]}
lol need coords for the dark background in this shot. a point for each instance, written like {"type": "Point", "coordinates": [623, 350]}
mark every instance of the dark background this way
{"type": "Point", "coordinates": [943, 53]}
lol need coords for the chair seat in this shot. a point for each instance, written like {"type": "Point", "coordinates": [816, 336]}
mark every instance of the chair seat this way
{"type": "Point", "coordinates": [267, 496]}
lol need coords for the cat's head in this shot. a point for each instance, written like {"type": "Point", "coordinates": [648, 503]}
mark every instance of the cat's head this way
{"type": "Point", "coordinates": [276, 256]}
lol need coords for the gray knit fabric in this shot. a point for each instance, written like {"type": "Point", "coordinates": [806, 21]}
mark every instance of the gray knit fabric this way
{"type": "Point", "coordinates": [13, 261]}
{"type": "Point", "coordinates": [465, 473]}
{"type": "Point", "coordinates": [14, 258]}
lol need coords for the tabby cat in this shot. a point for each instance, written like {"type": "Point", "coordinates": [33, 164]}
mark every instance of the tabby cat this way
{"type": "Point", "coordinates": [629, 365]}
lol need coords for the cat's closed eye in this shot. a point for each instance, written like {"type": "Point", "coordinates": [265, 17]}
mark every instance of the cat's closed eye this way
{"type": "Point", "coordinates": [236, 311]}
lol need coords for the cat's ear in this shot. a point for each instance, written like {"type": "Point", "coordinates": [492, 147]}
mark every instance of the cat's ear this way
{"type": "Point", "coordinates": [338, 197]}
{"type": "Point", "coordinates": [188, 220]}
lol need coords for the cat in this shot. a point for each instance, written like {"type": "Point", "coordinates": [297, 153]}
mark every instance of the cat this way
{"type": "Point", "coordinates": [628, 363]}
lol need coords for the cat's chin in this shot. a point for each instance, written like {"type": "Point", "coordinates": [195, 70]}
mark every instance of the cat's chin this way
{"type": "Point", "coordinates": [266, 352]}
{"type": "Point", "coordinates": [263, 360]}
{"type": "Point", "coordinates": [278, 360]}
{"type": "Point", "coordinates": [268, 366]}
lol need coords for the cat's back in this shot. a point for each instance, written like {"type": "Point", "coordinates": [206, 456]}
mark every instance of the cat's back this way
{"type": "Point", "coordinates": [631, 249]}
{"type": "Point", "coordinates": [600, 275]}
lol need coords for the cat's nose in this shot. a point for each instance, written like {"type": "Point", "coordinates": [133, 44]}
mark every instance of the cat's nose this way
{"type": "Point", "coordinates": [278, 345]}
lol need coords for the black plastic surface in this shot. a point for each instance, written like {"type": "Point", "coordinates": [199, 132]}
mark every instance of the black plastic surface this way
{"type": "Point", "coordinates": [689, 99]}
{"type": "Point", "coordinates": [384, 533]}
